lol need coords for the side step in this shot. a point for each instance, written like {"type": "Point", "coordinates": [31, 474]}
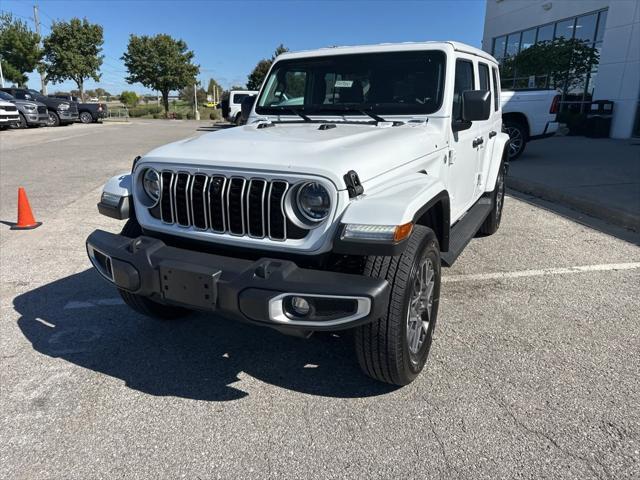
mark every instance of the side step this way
{"type": "Point", "coordinates": [465, 229]}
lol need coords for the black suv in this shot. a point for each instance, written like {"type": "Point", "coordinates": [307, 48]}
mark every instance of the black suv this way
{"type": "Point", "coordinates": [61, 112]}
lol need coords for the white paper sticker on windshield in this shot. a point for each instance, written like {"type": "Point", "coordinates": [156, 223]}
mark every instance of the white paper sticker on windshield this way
{"type": "Point", "coordinates": [343, 84]}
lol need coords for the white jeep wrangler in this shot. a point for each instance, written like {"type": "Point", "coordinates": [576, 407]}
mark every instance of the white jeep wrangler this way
{"type": "Point", "coordinates": [361, 171]}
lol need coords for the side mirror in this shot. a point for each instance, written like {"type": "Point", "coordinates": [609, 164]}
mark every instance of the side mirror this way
{"type": "Point", "coordinates": [476, 105]}
{"type": "Point", "coordinates": [246, 106]}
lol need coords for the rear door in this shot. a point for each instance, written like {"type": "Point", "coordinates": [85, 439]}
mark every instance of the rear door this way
{"type": "Point", "coordinates": [463, 157]}
{"type": "Point", "coordinates": [487, 81]}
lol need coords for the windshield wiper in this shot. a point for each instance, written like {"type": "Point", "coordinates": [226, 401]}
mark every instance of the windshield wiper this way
{"type": "Point", "coordinates": [354, 109]}
{"type": "Point", "coordinates": [295, 111]}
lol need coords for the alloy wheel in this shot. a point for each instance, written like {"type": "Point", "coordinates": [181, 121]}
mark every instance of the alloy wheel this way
{"type": "Point", "coordinates": [515, 145]}
{"type": "Point", "coordinates": [420, 306]}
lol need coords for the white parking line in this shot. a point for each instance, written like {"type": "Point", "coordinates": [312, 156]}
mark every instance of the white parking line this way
{"type": "Point", "coordinates": [541, 272]}
{"type": "Point", "coordinates": [448, 279]}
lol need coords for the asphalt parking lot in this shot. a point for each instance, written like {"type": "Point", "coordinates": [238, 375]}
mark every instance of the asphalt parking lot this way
{"type": "Point", "coordinates": [533, 372]}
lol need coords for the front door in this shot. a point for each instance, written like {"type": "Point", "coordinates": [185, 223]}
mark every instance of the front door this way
{"type": "Point", "coordinates": [463, 155]}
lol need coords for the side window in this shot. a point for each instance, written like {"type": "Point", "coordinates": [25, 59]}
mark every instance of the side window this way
{"type": "Point", "coordinates": [483, 74]}
{"type": "Point", "coordinates": [464, 81]}
{"type": "Point", "coordinates": [496, 89]}
{"type": "Point", "coordinates": [21, 95]}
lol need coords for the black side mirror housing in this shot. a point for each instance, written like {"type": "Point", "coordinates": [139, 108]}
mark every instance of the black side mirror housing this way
{"type": "Point", "coordinates": [246, 106]}
{"type": "Point", "coordinates": [476, 105]}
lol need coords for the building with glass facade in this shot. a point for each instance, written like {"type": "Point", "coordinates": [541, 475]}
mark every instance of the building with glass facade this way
{"type": "Point", "coordinates": [611, 26]}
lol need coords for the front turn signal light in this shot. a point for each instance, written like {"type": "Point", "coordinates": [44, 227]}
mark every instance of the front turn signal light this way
{"type": "Point", "coordinates": [402, 232]}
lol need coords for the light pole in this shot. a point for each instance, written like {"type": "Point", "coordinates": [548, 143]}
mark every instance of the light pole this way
{"type": "Point", "coordinates": [195, 101]}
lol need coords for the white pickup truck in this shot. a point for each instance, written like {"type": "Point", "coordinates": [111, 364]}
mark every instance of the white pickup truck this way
{"type": "Point", "coordinates": [360, 172]}
{"type": "Point", "coordinates": [528, 115]}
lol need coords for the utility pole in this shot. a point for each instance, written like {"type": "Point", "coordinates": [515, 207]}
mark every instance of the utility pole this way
{"type": "Point", "coordinates": [195, 101]}
{"type": "Point", "coordinates": [1, 75]}
{"type": "Point", "coordinates": [43, 78]}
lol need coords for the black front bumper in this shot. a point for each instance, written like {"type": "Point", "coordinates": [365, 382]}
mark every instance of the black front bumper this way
{"type": "Point", "coordinates": [239, 288]}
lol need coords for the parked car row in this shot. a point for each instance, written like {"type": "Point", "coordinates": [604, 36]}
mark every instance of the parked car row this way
{"type": "Point", "coordinates": [23, 107]}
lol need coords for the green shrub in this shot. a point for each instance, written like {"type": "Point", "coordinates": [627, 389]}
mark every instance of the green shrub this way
{"type": "Point", "coordinates": [177, 116]}
{"type": "Point", "coordinates": [189, 116]}
{"type": "Point", "coordinates": [215, 115]}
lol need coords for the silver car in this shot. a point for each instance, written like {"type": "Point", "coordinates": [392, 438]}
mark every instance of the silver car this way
{"type": "Point", "coordinates": [32, 113]}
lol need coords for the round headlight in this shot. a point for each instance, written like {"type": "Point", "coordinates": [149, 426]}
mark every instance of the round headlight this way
{"type": "Point", "coordinates": [151, 184]}
{"type": "Point", "coordinates": [313, 201]}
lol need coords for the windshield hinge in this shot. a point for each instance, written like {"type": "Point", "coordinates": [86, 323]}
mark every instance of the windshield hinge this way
{"type": "Point", "coordinates": [354, 187]}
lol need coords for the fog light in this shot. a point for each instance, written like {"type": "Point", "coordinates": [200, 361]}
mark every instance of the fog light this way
{"type": "Point", "coordinates": [299, 307]}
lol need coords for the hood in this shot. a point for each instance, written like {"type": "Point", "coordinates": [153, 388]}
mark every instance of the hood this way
{"type": "Point", "coordinates": [22, 103]}
{"type": "Point", "coordinates": [306, 149]}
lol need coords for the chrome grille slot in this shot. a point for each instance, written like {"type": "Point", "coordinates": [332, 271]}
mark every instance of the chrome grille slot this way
{"type": "Point", "coordinates": [232, 205]}
{"type": "Point", "coordinates": [275, 205]}
{"type": "Point", "coordinates": [181, 199]}
{"type": "Point", "coordinates": [199, 201]}
{"type": "Point", "coordinates": [166, 204]}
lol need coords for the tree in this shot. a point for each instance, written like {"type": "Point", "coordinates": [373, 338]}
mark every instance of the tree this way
{"type": "Point", "coordinates": [186, 94]}
{"type": "Point", "coordinates": [20, 50]}
{"type": "Point", "coordinates": [130, 99]}
{"type": "Point", "coordinates": [160, 63]}
{"type": "Point", "coordinates": [566, 62]}
{"type": "Point", "coordinates": [101, 92]}
{"type": "Point", "coordinates": [214, 87]}
{"type": "Point", "coordinates": [256, 77]}
{"type": "Point", "coordinates": [72, 52]}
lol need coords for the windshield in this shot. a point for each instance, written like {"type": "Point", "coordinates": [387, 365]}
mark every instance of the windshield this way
{"type": "Point", "coordinates": [397, 83]}
{"type": "Point", "coordinates": [6, 96]}
{"type": "Point", "coordinates": [36, 95]}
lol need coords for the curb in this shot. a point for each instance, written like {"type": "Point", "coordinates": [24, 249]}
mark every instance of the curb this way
{"type": "Point", "coordinates": [611, 215]}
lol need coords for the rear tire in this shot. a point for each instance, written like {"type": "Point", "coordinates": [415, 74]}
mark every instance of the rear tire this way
{"type": "Point", "coordinates": [86, 117]}
{"type": "Point", "coordinates": [492, 222]}
{"type": "Point", "coordinates": [394, 348]}
{"type": "Point", "coordinates": [518, 137]}
{"type": "Point", "coordinates": [145, 305]}
{"type": "Point", "coordinates": [238, 120]}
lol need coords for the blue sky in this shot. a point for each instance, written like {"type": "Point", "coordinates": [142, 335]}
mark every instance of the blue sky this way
{"type": "Point", "coordinates": [229, 38]}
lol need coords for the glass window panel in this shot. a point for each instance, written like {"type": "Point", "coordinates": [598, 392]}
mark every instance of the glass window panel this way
{"type": "Point", "coordinates": [565, 29]}
{"type": "Point", "coordinates": [513, 44]}
{"type": "Point", "coordinates": [545, 33]}
{"type": "Point", "coordinates": [483, 74]}
{"type": "Point", "coordinates": [602, 21]}
{"type": "Point", "coordinates": [528, 39]}
{"type": "Point", "coordinates": [464, 81]}
{"type": "Point", "coordinates": [499, 45]}
{"type": "Point", "coordinates": [586, 27]}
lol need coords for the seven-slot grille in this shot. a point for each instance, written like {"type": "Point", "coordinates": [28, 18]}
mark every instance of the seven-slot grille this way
{"type": "Point", "coordinates": [226, 205]}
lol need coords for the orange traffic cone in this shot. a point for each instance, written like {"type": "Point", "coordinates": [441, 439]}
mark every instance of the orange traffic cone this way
{"type": "Point", "coordinates": [25, 217]}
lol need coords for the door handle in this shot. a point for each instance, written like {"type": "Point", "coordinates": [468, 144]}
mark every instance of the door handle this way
{"type": "Point", "coordinates": [492, 134]}
{"type": "Point", "coordinates": [477, 142]}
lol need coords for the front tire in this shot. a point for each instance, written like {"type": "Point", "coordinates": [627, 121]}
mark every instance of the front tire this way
{"type": "Point", "coordinates": [145, 305]}
{"type": "Point", "coordinates": [23, 121]}
{"type": "Point", "coordinates": [394, 348]}
{"type": "Point", "coordinates": [54, 119]}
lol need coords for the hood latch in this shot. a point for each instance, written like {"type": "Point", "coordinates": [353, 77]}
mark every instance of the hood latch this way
{"type": "Point", "coordinates": [354, 187]}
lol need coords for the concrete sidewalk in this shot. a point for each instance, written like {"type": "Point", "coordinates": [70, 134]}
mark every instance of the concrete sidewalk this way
{"type": "Point", "coordinates": [599, 177]}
